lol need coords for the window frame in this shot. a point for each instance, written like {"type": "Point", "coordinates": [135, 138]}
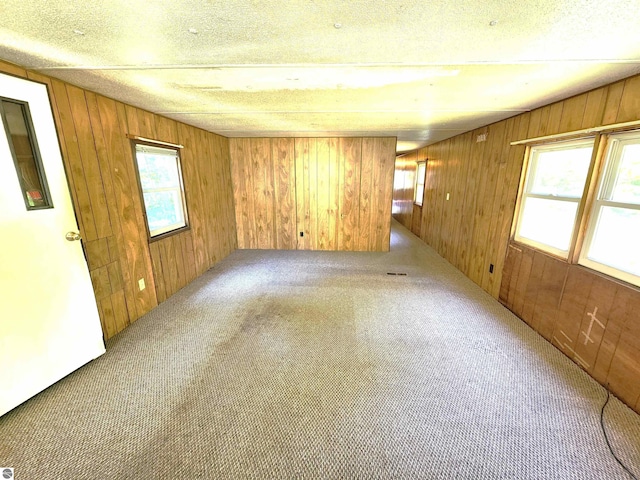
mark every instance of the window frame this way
{"type": "Point", "coordinates": [526, 182]}
{"type": "Point", "coordinates": [604, 182]}
{"type": "Point", "coordinates": [586, 218]}
{"type": "Point", "coordinates": [135, 141]}
{"type": "Point", "coordinates": [35, 151]}
{"type": "Point", "coordinates": [418, 183]}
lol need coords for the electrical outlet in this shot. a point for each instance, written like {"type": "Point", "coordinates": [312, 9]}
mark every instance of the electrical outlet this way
{"type": "Point", "coordinates": [141, 284]}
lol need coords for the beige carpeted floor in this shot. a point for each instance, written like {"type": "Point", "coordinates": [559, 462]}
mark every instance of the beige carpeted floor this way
{"type": "Point", "coordinates": [321, 365]}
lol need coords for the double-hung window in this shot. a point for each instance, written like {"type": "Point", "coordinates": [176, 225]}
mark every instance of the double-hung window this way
{"type": "Point", "coordinates": [584, 207]}
{"type": "Point", "coordinates": [552, 193]}
{"type": "Point", "coordinates": [612, 241]}
{"type": "Point", "coordinates": [162, 189]}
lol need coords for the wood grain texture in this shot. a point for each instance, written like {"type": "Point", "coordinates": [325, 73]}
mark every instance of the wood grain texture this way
{"type": "Point", "coordinates": [99, 164]}
{"type": "Point", "coordinates": [322, 191]}
{"type": "Point", "coordinates": [67, 135]}
{"type": "Point", "coordinates": [404, 180]}
{"type": "Point", "coordinates": [263, 172]}
{"type": "Point", "coordinates": [301, 150]}
{"type": "Point", "coordinates": [350, 152]}
{"type": "Point", "coordinates": [284, 182]}
{"type": "Point", "coordinates": [134, 234]}
{"type": "Point", "coordinates": [472, 231]}
{"type": "Point", "coordinates": [630, 101]}
{"type": "Point", "coordinates": [416, 220]}
{"type": "Point", "coordinates": [366, 201]}
{"type": "Point", "coordinates": [336, 191]}
{"type": "Point", "coordinates": [559, 300]}
{"type": "Point", "coordinates": [380, 153]}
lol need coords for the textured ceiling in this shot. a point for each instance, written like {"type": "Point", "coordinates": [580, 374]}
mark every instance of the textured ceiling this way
{"type": "Point", "coordinates": [419, 70]}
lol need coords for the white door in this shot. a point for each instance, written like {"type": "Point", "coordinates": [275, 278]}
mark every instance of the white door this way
{"type": "Point", "coordinates": [49, 324]}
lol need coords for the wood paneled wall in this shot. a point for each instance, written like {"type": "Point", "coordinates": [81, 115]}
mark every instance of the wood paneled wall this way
{"type": "Point", "coordinates": [557, 300]}
{"type": "Point", "coordinates": [472, 231]}
{"type": "Point", "coordinates": [264, 188]}
{"type": "Point", "coordinates": [179, 259]}
{"type": "Point", "coordinates": [99, 163]}
{"type": "Point", "coordinates": [337, 191]}
{"type": "Point", "coordinates": [416, 220]}
{"type": "Point", "coordinates": [404, 186]}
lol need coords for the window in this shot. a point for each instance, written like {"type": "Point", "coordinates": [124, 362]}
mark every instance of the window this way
{"type": "Point", "coordinates": [26, 156]}
{"type": "Point", "coordinates": [584, 207]}
{"type": "Point", "coordinates": [161, 184]}
{"type": "Point", "coordinates": [421, 172]}
{"type": "Point", "coordinates": [611, 243]}
{"type": "Point", "coordinates": [553, 190]}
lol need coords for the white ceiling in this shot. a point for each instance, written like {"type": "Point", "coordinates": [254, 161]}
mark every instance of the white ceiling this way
{"type": "Point", "coordinates": [417, 69]}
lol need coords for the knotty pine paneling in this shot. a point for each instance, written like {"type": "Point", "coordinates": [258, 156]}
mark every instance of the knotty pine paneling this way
{"type": "Point", "coordinates": [404, 184]}
{"type": "Point", "coordinates": [100, 168]}
{"type": "Point", "coordinates": [336, 191]}
{"type": "Point", "coordinates": [472, 231]}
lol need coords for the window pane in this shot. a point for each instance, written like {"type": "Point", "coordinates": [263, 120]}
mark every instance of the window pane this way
{"type": "Point", "coordinates": [164, 209]}
{"type": "Point", "coordinates": [161, 184]}
{"type": "Point", "coordinates": [28, 167]}
{"type": "Point", "coordinates": [157, 171]}
{"type": "Point", "coordinates": [549, 222]}
{"type": "Point", "coordinates": [561, 172]}
{"type": "Point", "coordinates": [626, 186]}
{"type": "Point", "coordinates": [615, 240]}
{"type": "Point", "coordinates": [421, 172]}
{"type": "Point", "coordinates": [419, 194]}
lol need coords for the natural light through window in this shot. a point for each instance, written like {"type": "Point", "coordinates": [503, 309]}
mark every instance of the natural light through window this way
{"type": "Point", "coordinates": [420, 177]}
{"type": "Point", "coordinates": [612, 240]}
{"type": "Point", "coordinates": [162, 191]}
{"type": "Point", "coordinates": [554, 187]}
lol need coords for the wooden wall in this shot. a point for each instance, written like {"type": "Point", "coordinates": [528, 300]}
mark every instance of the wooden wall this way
{"type": "Point", "coordinates": [416, 220]}
{"type": "Point", "coordinates": [263, 172]}
{"type": "Point", "coordinates": [404, 186]}
{"type": "Point", "coordinates": [337, 191]}
{"type": "Point", "coordinates": [557, 300]}
{"type": "Point", "coordinates": [472, 231]}
{"type": "Point", "coordinates": [99, 163]}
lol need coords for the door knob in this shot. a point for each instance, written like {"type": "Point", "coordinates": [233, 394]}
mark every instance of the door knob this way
{"type": "Point", "coordinates": [72, 236]}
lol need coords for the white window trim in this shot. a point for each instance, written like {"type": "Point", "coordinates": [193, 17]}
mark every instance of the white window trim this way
{"type": "Point", "coordinates": [611, 164]}
{"type": "Point", "coordinates": [531, 164]}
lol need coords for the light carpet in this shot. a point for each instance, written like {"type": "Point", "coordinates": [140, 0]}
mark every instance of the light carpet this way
{"type": "Point", "coordinates": [287, 364]}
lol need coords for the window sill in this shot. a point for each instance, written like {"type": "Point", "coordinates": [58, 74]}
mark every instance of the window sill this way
{"type": "Point", "coordinates": [169, 234]}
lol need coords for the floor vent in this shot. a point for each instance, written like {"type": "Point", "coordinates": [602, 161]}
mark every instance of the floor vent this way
{"type": "Point", "coordinates": [395, 273]}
